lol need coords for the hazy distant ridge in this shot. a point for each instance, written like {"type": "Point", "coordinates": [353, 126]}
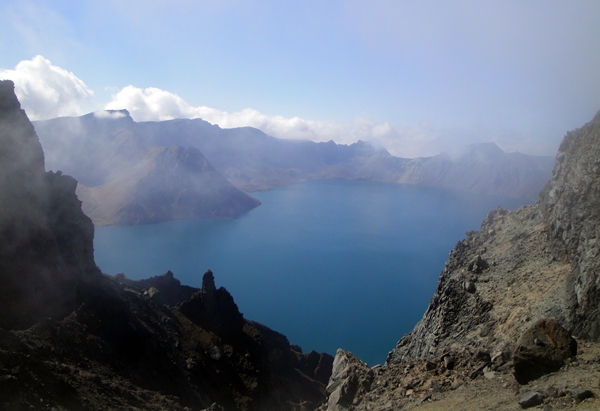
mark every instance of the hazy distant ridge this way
{"type": "Point", "coordinates": [114, 157]}
{"type": "Point", "coordinates": [124, 180]}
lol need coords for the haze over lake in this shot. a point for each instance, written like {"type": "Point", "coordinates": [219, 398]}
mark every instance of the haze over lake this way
{"type": "Point", "coordinates": [329, 263]}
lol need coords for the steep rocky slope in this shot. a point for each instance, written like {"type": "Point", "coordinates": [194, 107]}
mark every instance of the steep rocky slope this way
{"type": "Point", "coordinates": [500, 286]}
{"type": "Point", "coordinates": [46, 242]}
{"type": "Point", "coordinates": [74, 339]}
{"type": "Point", "coordinates": [124, 349]}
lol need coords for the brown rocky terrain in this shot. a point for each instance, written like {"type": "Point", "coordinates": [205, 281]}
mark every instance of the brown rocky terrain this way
{"type": "Point", "coordinates": [504, 297]}
{"type": "Point", "coordinates": [74, 339]}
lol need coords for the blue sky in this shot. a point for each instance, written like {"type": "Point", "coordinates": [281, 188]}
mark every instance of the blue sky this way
{"type": "Point", "coordinates": [417, 77]}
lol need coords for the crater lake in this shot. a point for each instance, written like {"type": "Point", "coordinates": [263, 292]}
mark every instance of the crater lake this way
{"type": "Point", "coordinates": [329, 263]}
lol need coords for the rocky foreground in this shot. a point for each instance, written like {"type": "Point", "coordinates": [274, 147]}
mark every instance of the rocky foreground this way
{"type": "Point", "coordinates": [498, 332]}
{"type": "Point", "coordinates": [126, 348]}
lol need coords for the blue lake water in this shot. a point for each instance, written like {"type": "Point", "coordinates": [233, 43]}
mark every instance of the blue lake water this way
{"type": "Point", "coordinates": [328, 263]}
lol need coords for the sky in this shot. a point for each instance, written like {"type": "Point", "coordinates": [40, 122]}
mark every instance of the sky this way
{"type": "Point", "coordinates": [416, 77]}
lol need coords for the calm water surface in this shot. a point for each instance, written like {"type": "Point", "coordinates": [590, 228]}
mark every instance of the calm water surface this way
{"type": "Point", "coordinates": [328, 263]}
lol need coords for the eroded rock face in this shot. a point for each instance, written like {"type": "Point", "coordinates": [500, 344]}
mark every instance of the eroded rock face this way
{"type": "Point", "coordinates": [571, 202]}
{"type": "Point", "coordinates": [46, 242]}
{"type": "Point", "coordinates": [542, 349]}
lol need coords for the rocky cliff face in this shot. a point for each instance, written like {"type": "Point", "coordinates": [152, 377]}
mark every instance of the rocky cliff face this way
{"type": "Point", "coordinates": [571, 204]}
{"type": "Point", "coordinates": [524, 265]}
{"type": "Point", "coordinates": [46, 242]}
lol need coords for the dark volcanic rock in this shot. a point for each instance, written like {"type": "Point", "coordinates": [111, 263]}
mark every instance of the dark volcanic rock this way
{"type": "Point", "coordinates": [213, 309]}
{"type": "Point", "coordinates": [46, 242]}
{"type": "Point", "coordinates": [542, 349]}
{"type": "Point", "coordinates": [170, 290]}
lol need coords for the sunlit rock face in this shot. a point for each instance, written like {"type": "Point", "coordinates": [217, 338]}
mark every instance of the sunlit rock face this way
{"type": "Point", "coordinates": [571, 202]}
{"type": "Point", "coordinates": [46, 242]}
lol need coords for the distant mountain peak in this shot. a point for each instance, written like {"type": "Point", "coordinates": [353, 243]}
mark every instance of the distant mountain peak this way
{"type": "Point", "coordinates": [479, 151]}
{"type": "Point", "coordinates": [490, 145]}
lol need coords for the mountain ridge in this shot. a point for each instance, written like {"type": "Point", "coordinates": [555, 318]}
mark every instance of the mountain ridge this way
{"type": "Point", "coordinates": [103, 150]}
{"type": "Point", "coordinates": [127, 181]}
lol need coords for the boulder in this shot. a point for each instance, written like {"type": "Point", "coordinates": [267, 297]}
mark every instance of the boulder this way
{"type": "Point", "coordinates": [542, 349]}
{"type": "Point", "coordinates": [531, 399]}
{"type": "Point", "coordinates": [579, 394]}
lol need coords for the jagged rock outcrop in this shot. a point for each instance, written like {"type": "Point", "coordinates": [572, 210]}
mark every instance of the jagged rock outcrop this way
{"type": "Point", "coordinates": [540, 261]}
{"type": "Point", "coordinates": [213, 309]}
{"type": "Point", "coordinates": [46, 242]}
{"type": "Point", "coordinates": [168, 289]}
{"type": "Point", "coordinates": [348, 376]}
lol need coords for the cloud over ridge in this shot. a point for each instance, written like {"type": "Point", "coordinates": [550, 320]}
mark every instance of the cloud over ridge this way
{"type": "Point", "coordinates": [153, 104]}
{"type": "Point", "coordinates": [47, 91]}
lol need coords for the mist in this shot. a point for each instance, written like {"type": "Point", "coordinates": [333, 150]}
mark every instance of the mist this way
{"type": "Point", "coordinates": [417, 78]}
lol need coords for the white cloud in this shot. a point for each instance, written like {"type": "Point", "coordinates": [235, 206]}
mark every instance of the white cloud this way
{"type": "Point", "coordinates": [107, 114]}
{"type": "Point", "coordinates": [153, 104]}
{"type": "Point", "coordinates": [47, 91]}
